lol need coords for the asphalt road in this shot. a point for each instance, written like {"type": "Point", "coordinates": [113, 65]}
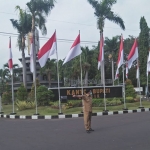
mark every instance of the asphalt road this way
{"type": "Point", "coordinates": [116, 132]}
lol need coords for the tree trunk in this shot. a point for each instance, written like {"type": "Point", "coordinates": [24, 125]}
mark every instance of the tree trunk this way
{"type": "Point", "coordinates": [49, 79]}
{"type": "Point", "coordinates": [34, 50]}
{"type": "Point", "coordinates": [24, 64]}
{"type": "Point", "coordinates": [86, 78]}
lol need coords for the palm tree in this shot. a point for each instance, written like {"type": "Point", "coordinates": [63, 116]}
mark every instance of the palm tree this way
{"type": "Point", "coordinates": [39, 10]}
{"type": "Point", "coordinates": [16, 72]}
{"type": "Point", "coordinates": [23, 26]}
{"type": "Point", "coordinates": [112, 47]}
{"type": "Point", "coordinates": [49, 69]}
{"type": "Point", "coordinates": [103, 11]}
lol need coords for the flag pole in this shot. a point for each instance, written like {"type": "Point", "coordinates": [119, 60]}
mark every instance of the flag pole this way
{"type": "Point", "coordinates": [12, 92]}
{"type": "Point", "coordinates": [147, 87]}
{"type": "Point", "coordinates": [81, 77]}
{"type": "Point", "coordinates": [124, 88]}
{"type": "Point", "coordinates": [10, 65]}
{"type": "Point", "coordinates": [104, 85]}
{"type": "Point", "coordinates": [139, 84]}
{"type": "Point", "coordinates": [60, 111]}
{"type": "Point", "coordinates": [103, 73]}
{"type": "Point", "coordinates": [147, 91]}
{"type": "Point", "coordinates": [34, 72]}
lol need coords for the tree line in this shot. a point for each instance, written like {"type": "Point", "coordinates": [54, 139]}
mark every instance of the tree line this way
{"type": "Point", "coordinates": [35, 16]}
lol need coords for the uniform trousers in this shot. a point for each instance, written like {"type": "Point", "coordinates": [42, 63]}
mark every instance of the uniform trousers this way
{"type": "Point", "coordinates": [87, 119]}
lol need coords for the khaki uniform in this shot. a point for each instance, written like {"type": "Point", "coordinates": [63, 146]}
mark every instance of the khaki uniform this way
{"type": "Point", "coordinates": [87, 109]}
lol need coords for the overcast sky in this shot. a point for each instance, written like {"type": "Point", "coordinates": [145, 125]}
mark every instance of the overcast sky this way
{"type": "Point", "coordinates": [68, 17]}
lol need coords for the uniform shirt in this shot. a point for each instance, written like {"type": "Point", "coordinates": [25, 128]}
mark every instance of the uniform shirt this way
{"type": "Point", "coordinates": [87, 103]}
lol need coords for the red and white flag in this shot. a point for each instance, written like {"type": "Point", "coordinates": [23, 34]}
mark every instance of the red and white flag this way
{"type": "Point", "coordinates": [127, 71]}
{"type": "Point", "coordinates": [117, 74]}
{"type": "Point", "coordinates": [120, 57]}
{"type": "Point", "coordinates": [47, 50]}
{"type": "Point", "coordinates": [75, 50]}
{"type": "Point", "coordinates": [10, 61]}
{"type": "Point", "coordinates": [31, 57]}
{"type": "Point", "coordinates": [101, 52]}
{"type": "Point", "coordinates": [148, 64]}
{"type": "Point", "coordinates": [133, 55]}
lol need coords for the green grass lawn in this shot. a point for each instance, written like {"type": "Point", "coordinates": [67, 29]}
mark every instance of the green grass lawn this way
{"type": "Point", "coordinates": [47, 110]}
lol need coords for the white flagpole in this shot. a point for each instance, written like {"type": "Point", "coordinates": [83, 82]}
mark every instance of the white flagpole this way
{"type": "Point", "coordinates": [124, 88]}
{"type": "Point", "coordinates": [81, 77]}
{"type": "Point", "coordinates": [104, 84]}
{"type": "Point", "coordinates": [81, 74]}
{"type": "Point", "coordinates": [147, 80]}
{"type": "Point", "coordinates": [147, 87]}
{"type": "Point", "coordinates": [103, 73]}
{"type": "Point", "coordinates": [139, 83]}
{"type": "Point", "coordinates": [12, 91]}
{"type": "Point", "coordinates": [60, 112]}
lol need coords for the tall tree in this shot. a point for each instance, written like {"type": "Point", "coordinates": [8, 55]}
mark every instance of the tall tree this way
{"type": "Point", "coordinates": [23, 26]}
{"type": "Point", "coordinates": [112, 47]}
{"type": "Point", "coordinates": [16, 72]}
{"type": "Point", "coordinates": [103, 11]}
{"type": "Point", "coordinates": [39, 9]}
{"type": "Point", "coordinates": [143, 49]}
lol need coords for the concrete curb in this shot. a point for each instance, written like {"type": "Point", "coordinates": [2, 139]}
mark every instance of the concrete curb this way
{"type": "Point", "coordinates": [72, 115]}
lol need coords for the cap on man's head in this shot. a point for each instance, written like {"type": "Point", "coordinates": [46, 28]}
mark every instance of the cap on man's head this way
{"type": "Point", "coordinates": [87, 91]}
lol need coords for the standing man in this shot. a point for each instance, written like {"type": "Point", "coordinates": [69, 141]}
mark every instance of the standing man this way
{"type": "Point", "coordinates": [87, 109]}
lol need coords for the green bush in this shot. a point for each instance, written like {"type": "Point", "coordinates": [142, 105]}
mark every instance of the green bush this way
{"type": "Point", "coordinates": [44, 96]}
{"type": "Point", "coordinates": [22, 93]}
{"type": "Point", "coordinates": [76, 103]}
{"type": "Point", "coordinates": [129, 99]}
{"type": "Point", "coordinates": [97, 102]}
{"type": "Point", "coordinates": [55, 105]}
{"type": "Point", "coordinates": [7, 97]}
{"type": "Point", "coordinates": [31, 95]}
{"type": "Point", "coordinates": [130, 92]}
{"type": "Point", "coordinates": [23, 105]}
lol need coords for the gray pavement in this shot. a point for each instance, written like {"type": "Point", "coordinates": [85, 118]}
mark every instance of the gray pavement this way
{"type": "Point", "coordinates": [116, 132]}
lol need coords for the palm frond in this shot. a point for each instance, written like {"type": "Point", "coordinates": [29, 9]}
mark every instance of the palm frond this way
{"type": "Point", "coordinates": [116, 19]}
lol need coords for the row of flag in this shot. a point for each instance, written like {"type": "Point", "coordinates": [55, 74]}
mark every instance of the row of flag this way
{"type": "Point", "coordinates": [133, 55]}
{"type": "Point", "coordinates": [50, 48]}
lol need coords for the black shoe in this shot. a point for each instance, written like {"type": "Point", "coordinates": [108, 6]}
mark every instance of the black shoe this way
{"type": "Point", "coordinates": [91, 129]}
{"type": "Point", "coordinates": [87, 131]}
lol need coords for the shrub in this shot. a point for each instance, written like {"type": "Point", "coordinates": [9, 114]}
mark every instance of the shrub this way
{"type": "Point", "coordinates": [55, 105]}
{"type": "Point", "coordinates": [22, 93]}
{"type": "Point", "coordinates": [129, 99]}
{"type": "Point", "coordinates": [7, 97]}
{"type": "Point", "coordinates": [97, 102]}
{"type": "Point", "coordinates": [31, 95]}
{"type": "Point", "coordinates": [44, 95]}
{"type": "Point", "coordinates": [76, 103]}
{"type": "Point", "coordinates": [22, 105]}
{"type": "Point", "coordinates": [130, 92]}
